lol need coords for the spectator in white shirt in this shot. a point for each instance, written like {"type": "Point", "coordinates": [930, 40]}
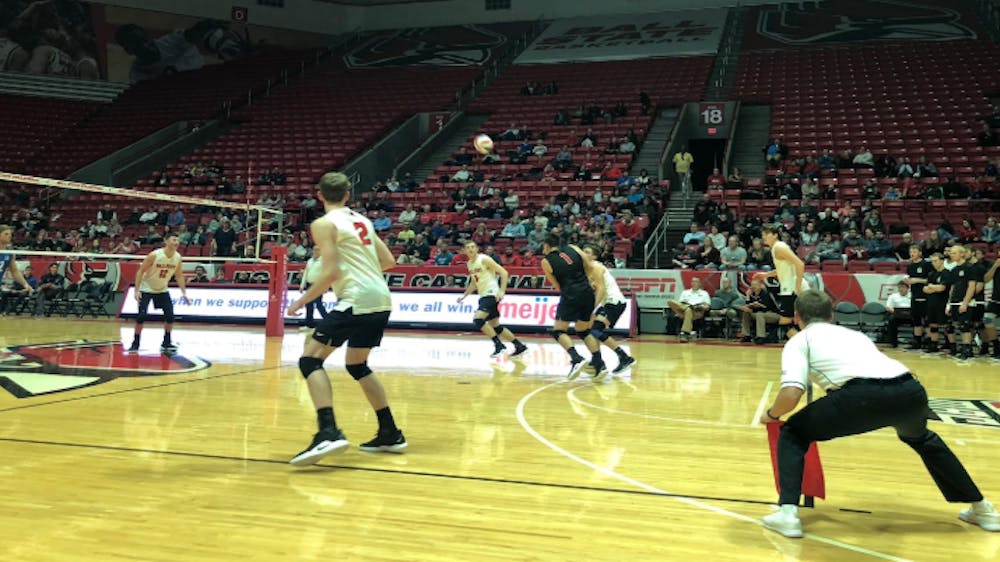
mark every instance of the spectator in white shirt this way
{"type": "Point", "coordinates": [626, 146]}
{"type": "Point", "coordinates": [148, 217]}
{"type": "Point", "coordinates": [513, 229]}
{"type": "Point", "coordinates": [865, 390]}
{"type": "Point", "coordinates": [408, 216]}
{"type": "Point", "coordinates": [462, 175]}
{"type": "Point", "coordinates": [864, 158]}
{"type": "Point", "coordinates": [691, 306]}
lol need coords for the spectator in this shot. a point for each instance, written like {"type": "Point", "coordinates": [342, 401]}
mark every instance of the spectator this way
{"type": "Point", "coordinates": [626, 146]}
{"type": "Point", "coordinates": [175, 218]}
{"type": "Point", "coordinates": [683, 160]}
{"type": "Point", "coordinates": [106, 213]}
{"type": "Point", "coordinates": [588, 140]}
{"type": "Point", "coordinates": [903, 248]}
{"type": "Point", "coordinates": [880, 249]}
{"type": "Point", "coordinates": [512, 133]}
{"type": "Point", "coordinates": [200, 275]}
{"type": "Point", "coordinates": [761, 310]}
{"type": "Point", "coordinates": [773, 153]}
{"type": "Point", "coordinates": [926, 168]}
{"type": "Point", "coordinates": [810, 189]}
{"type": "Point", "coordinates": [934, 243]}
{"type": "Point", "coordinates": [904, 169]}
{"type": "Point", "coordinates": [536, 237]}
{"type": "Point", "coordinates": [826, 161]}
{"type": "Point", "coordinates": [967, 232]}
{"type": "Point", "coordinates": [991, 233]}
{"type": "Point", "coordinates": [864, 158]}
{"type": "Point", "coordinates": [809, 236]}
{"type": "Point", "coordinates": [514, 229]}
{"type": "Point", "coordinates": [827, 249]}
{"type": "Point", "coordinates": [49, 287]}
{"type": "Point", "coordinates": [481, 236]}
{"type": "Point", "coordinates": [709, 256]}
{"type": "Point", "coordinates": [127, 246]}
{"type": "Point", "coordinates": [987, 137]}
{"type": "Point", "coordinates": [530, 259]}
{"type": "Point", "coordinates": [509, 258]}
{"type": "Point", "coordinates": [224, 241]}
{"type": "Point", "coordinates": [898, 306]}
{"type": "Point", "coordinates": [382, 222]}
{"type": "Point", "coordinates": [694, 235]}
{"type": "Point", "coordinates": [733, 256]}
{"type": "Point", "coordinates": [735, 179]}
{"type": "Point", "coordinates": [692, 305]}
{"type": "Point", "coordinates": [462, 175]}
{"type": "Point", "coordinates": [149, 217]}
{"type": "Point", "coordinates": [729, 298]}
{"type": "Point", "coordinates": [561, 118]}
{"type": "Point", "coordinates": [716, 180]}
{"type": "Point", "coordinates": [408, 216]}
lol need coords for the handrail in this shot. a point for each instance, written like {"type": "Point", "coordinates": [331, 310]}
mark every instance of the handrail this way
{"type": "Point", "coordinates": [650, 247]}
{"type": "Point", "coordinates": [732, 135]}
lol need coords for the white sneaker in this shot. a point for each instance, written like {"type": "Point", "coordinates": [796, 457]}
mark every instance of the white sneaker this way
{"type": "Point", "coordinates": [785, 521]}
{"type": "Point", "coordinates": [982, 514]}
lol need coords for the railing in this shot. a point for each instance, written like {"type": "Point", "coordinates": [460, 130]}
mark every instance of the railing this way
{"type": "Point", "coordinates": [732, 136]}
{"type": "Point", "coordinates": [656, 242]}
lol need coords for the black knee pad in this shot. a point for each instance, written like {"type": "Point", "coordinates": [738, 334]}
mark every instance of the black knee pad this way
{"type": "Point", "coordinates": [932, 329]}
{"type": "Point", "coordinates": [499, 328]}
{"type": "Point", "coordinates": [556, 334]}
{"type": "Point", "coordinates": [597, 330]}
{"type": "Point", "coordinates": [479, 323]}
{"type": "Point", "coordinates": [359, 371]}
{"type": "Point", "coordinates": [963, 327]}
{"type": "Point", "coordinates": [309, 365]}
{"type": "Point", "coordinates": [140, 320]}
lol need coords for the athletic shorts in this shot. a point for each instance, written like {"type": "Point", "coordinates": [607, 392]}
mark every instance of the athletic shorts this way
{"type": "Point", "coordinates": [993, 307]}
{"type": "Point", "coordinates": [358, 330]}
{"type": "Point", "coordinates": [576, 306]}
{"type": "Point", "coordinates": [612, 312]}
{"type": "Point", "coordinates": [786, 305]}
{"type": "Point", "coordinates": [160, 301]}
{"type": "Point", "coordinates": [967, 317]}
{"type": "Point", "coordinates": [935, 312]}
{"type": "Point", "coordinates": [488, 305]}
{"type": "Point", "coordinates": [918, 312]}
{"type": "Point", "coordinates": [978, 313]}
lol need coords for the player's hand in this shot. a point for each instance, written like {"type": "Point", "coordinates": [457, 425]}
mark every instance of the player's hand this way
{"type": "Point", "coordinates": [29, 289]}
{"type": "Point", "coordinates": [138, 296]}
{"type": "Point", "coordinates": [765, 419]}
{"type": "Point", "coordinates": [963, 308]}
{"type": "Point", "coordinates": [184, 299]}
{"type": "Point", "coordinates": [500, 296]}
{"type": "Point", "coordinates": [294, 309]}
{"type": "Point", "coordinates": [460, 299]}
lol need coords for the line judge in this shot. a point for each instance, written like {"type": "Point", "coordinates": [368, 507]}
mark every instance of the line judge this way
{"type": "Point", "coordinates": [866, 390]}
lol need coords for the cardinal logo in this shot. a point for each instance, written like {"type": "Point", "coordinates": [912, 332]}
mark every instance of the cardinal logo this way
{"type": "Point", "coordinates": [37, 369]}
{"type": "Point", "coordinates": [465, 45]}
{"type": "Point", "coordinates": [818, 23]}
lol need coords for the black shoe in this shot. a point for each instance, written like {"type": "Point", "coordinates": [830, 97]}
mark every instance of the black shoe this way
{"type": "Point", "coordinates": [519, 350]}
{"type": "Point", "coordinates": [392, 442]}
{"type": "Point", "coordinates": [627, 362]}
{"type": "Point", "coordinates": [760, 341]}
{"type": "Point", "coordinates": [746, 339]}
{"type": "Point", "coordinates": [963, 356]}
{"type": "Point", "coordinates": [575, 366]}
{"type": "Point", "coordinates": [498, 351]}
{"type": "Point", "coordinates": [134, 348]}
{"type": "Point", "coordinates": [325, 442]}
{"type": "Point", "coordinates": [984, 350]}
{"type": "Point", "coordinates": [600, 370]}
{"type": "Point", "coordinates": [914, 346]}
{"type": "Point", "coordinates": [932, 348]}
{"type": "Point", "coordinates": [168, 349]}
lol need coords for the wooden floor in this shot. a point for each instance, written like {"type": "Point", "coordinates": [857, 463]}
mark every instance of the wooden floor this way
{"type": "Point", "coordinates": [505, 462]}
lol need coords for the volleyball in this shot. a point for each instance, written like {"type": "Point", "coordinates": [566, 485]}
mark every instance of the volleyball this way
{"type": "Point", "coordinates": [483, 144]}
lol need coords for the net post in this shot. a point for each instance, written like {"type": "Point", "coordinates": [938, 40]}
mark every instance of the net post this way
{"type": "Point", "coordinates": [809, 501]}
{"type": "Point", "coordinates": [275, 327]}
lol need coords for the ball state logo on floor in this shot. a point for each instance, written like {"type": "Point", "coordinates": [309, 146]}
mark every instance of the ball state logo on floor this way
{"type": "Point", "coordinates": [37, 369]}
{"type": "Point", "coordinates": [959, 411]}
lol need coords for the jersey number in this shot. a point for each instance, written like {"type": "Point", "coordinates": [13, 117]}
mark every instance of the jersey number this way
{"type": "Point", "coordinates": [566, 258]}
{"type": "Point", "coordinates": [164, 273]}
{"type": "Point", "coordinates": [363, 233]}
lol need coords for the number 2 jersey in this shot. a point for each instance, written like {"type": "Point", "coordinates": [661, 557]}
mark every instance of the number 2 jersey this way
{"type": "Point", "coordinates": [359, 284]}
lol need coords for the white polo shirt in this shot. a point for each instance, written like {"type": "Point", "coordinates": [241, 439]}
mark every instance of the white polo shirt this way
{"type": "Point", "coordinates": [897, 300]}
{"type": "Point", "coordinates": [831, 355]}
{"type": "Point", "coordinates": [694, 298]}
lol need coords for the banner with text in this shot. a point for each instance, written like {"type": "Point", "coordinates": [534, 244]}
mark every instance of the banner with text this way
{"type": "Point", "coordinates": [630, 36]}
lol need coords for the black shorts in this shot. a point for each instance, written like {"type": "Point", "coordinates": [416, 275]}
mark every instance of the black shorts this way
{"type": "Point", "coordinates": [993, 307]}
{"type": "Point", "coordinates": [612, 312]}
{"type": "Point", "coordinates": [576, 306]}
{"type": "Point", "coordinates": [359, 331]}
{"type": "Point", "coordinates": [967, 317]}
{"type": "Point", "coordinates": [488, 305]}
{"type": "Point", "coordinates": [918, 312]}
{"type": "Point", "coordinates": [978, 313]}
{"type": "Point", "coordinates": [935, 312]}
{"type": "Point", "coordinates": [160, 301]}
{"type": "Point", "coordinates": [786, 305]}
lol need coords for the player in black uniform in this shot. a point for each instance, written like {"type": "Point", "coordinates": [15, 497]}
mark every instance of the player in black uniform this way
{"type": "Point", "coordinates": [938, 285]}
{"type": "Point", "coordinates": [917, 272]}
{"type": "Point", "coordinates": [992, 307]}
{"type": "Point", "coordinates": [568, 269]}
{"type": "Point", "coordinates": [979, 267]}
{"type": "Point", "coordinates": [961, 305]}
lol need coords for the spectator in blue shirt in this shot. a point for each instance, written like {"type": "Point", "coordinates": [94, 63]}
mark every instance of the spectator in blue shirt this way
{"type": "Point", "coordinates": [382, 222]}
{"type": "Point", "coordinates": [880, 249]}
{"type": "Point", "coordinates": [695, 236]}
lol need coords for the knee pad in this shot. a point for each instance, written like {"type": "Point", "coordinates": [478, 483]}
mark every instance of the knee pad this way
{"type": "Point", "coordinates": [479, 323]}
{"type": "Point", "coordinates": [964, 326]}
{"type": "Point", "coordinates": [359, 371]}
{"type": "Point", "coordinates": [598, 331]}
{"type": "Point", "coordinates": [309, 365]}
{"type": "Point", "coordinates": [932, 329]}
{"type": "Point", "coordinates": [556, 334]}
{"type": "Point", "coordinates": [140, 319]}
{"type": "Point", "coordinates": [499, 328]}
{"type": "Point", "coordinates": [168, 318]}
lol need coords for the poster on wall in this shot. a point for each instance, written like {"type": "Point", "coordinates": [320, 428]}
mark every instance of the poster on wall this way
{"type": "Point", "coordinates": [48, 37]}
{"type": "Point", "coordinates": [625, 37]}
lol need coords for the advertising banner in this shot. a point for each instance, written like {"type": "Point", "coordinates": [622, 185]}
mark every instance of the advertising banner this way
{"type": "Point", "coordinates": [630, 36]}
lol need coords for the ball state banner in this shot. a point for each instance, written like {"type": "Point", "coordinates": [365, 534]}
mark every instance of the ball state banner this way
{"type": "Point", "coordinates": [625, 37]}
{"type": "Point", "coordinates": [813, 482]}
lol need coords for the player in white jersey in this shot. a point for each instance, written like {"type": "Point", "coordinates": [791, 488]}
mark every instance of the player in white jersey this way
{"type": "Point", "coordinates": [610, 307]}
{"type": "Point", "coordinates": [790, 272]}
{"type": "Point", "coordinates": [151, 287]}
{"type": "Point", "coordinates": [353, 259]}
{"type": "Point", "coordinates": [483, 271]}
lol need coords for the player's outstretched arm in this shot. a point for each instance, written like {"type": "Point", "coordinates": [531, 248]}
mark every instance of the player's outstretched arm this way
{"type": "Point", "coordinates": [147, 264]}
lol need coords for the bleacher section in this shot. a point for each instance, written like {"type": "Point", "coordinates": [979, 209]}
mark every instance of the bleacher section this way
{"type": "Point", "coordinates": [670, 81]}
{"type": "Point", "coordinates": [31, 125]}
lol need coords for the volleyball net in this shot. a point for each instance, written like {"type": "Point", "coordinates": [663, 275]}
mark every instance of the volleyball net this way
{"type": "Point", "coordinates": [97, 236]}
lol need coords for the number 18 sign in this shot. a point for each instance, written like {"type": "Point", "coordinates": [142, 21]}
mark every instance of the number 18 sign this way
{"type": "Point", "coordinates": [712, 114]}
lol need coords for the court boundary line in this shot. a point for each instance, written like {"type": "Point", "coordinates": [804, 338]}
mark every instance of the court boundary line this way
{"type": "Point", "coordinates": [755, 422]}
{"type": "Point", "coordinates": [464, 477]}
{"type": "Point", "coordinates": [519, 412]}
{"type": "Point", "coordinates": [137, 389]}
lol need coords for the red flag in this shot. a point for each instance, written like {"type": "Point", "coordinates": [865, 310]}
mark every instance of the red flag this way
{"type": "Point", "coordinates": [813, 483]}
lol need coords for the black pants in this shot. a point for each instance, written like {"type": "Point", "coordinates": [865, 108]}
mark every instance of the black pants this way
{"type": "Point", "coordinates": [315, 304]}
{"type": "Point", "coordinates": [892, 328]}
{"type": "Point", "coordinates": [864, 405]}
